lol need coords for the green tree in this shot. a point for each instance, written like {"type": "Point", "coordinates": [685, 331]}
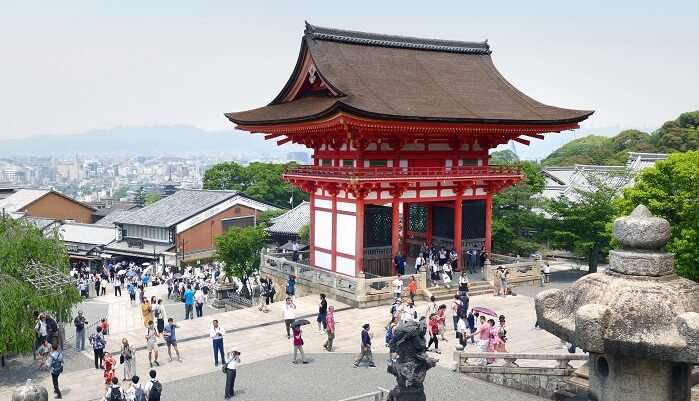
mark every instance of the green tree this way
{"type": "Point", "coordinates": [239, 248]}
{"type": "Point", "coordinates": [680, 135]}
{"type": "Point", "coordinates": [20, 244]}
{"type": "Point", "coordinates": [121, 192]}
{"type": "Point", "coordinates": [304, 233]}
{"type": "Point", "coordinates": [517, 228]}
{"type": "Point", "coordinates": [591, 149]}
{"type": "Point", "coordinates": [140, 197]}
{"type": "Point", "coordinates": [671, 189]}
{"type": "Point", "coordinates": [265, 219]}
{"type": "Point", "coordinates": [581, 224]}
{"type": "Point", "coordinates": [152, 198]}
{"type": "Point", "coordinates": [258, 180]}
{"type": "Point", "coordinates": [503, 157]}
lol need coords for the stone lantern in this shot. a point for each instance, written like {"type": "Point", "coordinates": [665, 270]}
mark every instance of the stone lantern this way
{"type": "Point", "coordinates": [638, 320]}
{"type": "Point", "coordinates": [30, 392]}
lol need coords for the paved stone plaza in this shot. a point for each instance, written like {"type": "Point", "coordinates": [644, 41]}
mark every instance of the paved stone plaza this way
{"type": "Point", "coordinates": [265, 349]}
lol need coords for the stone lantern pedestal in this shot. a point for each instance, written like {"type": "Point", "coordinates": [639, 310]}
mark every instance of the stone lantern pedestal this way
{"type": "Point", "coordinates": [639, 321]}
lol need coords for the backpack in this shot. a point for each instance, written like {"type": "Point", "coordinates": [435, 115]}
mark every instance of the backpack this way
{"type": "Point", "coordinates": [462, 310]}
{"type": "Point", "coordinates": [57, 365]}
{"type": "Point", "coordinates": [138, 394]}
{"type": "Point", "coordinates": [155, 391]}
{"type": "Point", "coordinates": [158, 313]}
{"type": "Point", "coordinates": [389, 334]}
{"type": "Point", "coordinates": [115, 394]}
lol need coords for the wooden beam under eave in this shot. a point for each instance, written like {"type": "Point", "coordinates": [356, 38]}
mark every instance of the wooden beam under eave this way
{"type": "Point", "coordinates": [270, 136]}
{"type": "Point", "coordinates": [520, 140]}
{"type": "Point", "coordinates": [283, 141]}
{"type": "Point", "coordinates": [537, 136]}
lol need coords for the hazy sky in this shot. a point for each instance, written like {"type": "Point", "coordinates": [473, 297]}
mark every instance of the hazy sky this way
{"type": "Point", "coordinates": [69, 66]}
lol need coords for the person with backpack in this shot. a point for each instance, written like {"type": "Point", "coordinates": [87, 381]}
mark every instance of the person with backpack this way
{"type": "Point", "coordinates": [97, 341]}
{"type": "Point", "coordinates": [55, 365]}
{"type": "Point", "coordinates": [153, 389]}
{"type": "Point", "coordinates": [291, 287]}
{"type": "Point", "coordinates": [114, 391]}
{"type": "Point", "coordinates": [365, 351]}
{"type": "Point", "coordinates": [137, 390]}
{"type": "Point", "coordinates": [51, 330]}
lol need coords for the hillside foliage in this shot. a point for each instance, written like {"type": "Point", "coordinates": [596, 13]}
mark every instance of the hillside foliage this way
{"type": "Point", "coordinates": [679, 135]}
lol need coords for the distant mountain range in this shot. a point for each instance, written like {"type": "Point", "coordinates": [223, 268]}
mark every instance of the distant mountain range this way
{"type": "Point", "coordinates": [144, 141]}
{"type": "Point", "coordinates": [182, 140]}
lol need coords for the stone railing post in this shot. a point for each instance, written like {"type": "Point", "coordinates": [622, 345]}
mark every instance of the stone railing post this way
{"type": "Point", "coordinates": [487, 273]}
{"type": "Point", "coordinates": [361, 286]}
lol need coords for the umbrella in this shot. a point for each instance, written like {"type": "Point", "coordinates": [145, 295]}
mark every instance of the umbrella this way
{"type": "Point", "coordinates": [485, 311]}
{"type": "Point", "coordinates": [121, 272]}
{"type": "Point", "coordinates": [145, 264]}
{"type": "Point", "coordinates": [177, 276]}
{"type": "Point", "coordinates": [299, 322]}
{"type": "Point", "coordinates": [131, 273]}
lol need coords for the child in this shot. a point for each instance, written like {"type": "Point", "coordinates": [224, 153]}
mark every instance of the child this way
{"type": "Point", "coordinates": [390, 329]}
{"type": "Point", "coordinates": [44, 350]}
{"type": "Point", "coordinates": [109, 364]}
{"type": "Point", "coordinates": [105, 326]}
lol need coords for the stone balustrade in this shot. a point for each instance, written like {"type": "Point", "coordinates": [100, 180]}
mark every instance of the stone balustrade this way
{"type": "Point", "coordinates": [517, 370]}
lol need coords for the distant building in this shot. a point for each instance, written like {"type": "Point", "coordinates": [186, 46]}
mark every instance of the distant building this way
{"type": "Point", "coordinates": [299, 157]}
{"type": "Point", "coordinates": [182, 227]}
{"type": "Point", "coordinates": [566, 181]}
{"type": "Point", "coordinates": [46, 203]}
{"type": "Point", "coordinates": [168, 188]}
{"type": "Point", "coordinates": [286, 227]}
{"type": "Point", "coordinates": [84, 242]}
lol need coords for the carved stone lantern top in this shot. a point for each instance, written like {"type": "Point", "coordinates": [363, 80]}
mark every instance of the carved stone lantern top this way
{"type": "Point", "coordinates": [638, 308]}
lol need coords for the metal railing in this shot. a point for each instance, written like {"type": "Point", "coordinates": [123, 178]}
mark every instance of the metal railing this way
{"type": "Point", "coordinates": [401, 173]}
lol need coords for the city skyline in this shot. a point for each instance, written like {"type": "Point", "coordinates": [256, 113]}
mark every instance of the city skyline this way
{"type": "Point", "coordinates": [83, 66]}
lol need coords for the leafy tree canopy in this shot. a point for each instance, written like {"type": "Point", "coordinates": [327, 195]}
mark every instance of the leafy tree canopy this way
{"type": "Point", "coordinates": [21, 243]}
{"type": "Point", "coordinates": [239, 248]}
{"type": "Point", "coordinates": [152, 198]}
{"type": "Point", "coordinates": [304, 233]}
{"type": "Point", "coordinates": [671, 189]}
{"type": "Point", "coordinates": [266, 217]}
{"type": "Point", "coordinates": [582, 225]}
{"type": "Point", "coordinates": [258, 180]}
{"type": "Point", "coordinates": [503, 157]}
{"type": "Point", "coordinates": [516, 227]}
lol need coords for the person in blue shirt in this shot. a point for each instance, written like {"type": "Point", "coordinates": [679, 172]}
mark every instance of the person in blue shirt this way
{"type": "Point", "coordinates": [171, 338]}
{"type": "Point", "coordinates": [188, 303]}
{"type": "Point", "coordinates": [365, 351]}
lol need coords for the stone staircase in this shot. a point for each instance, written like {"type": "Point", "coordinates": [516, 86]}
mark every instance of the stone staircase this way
{"type": "Point", "coordinates": [578, 385]}
{"type": "Point", "coordinates": [445, 293]}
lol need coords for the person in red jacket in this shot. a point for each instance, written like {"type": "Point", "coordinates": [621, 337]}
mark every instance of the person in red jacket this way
{"type": "Point", "coordinates": [433, 329]}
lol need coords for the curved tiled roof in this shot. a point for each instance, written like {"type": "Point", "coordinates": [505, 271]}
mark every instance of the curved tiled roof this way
{"type": "Point", "coordinates": [291, 221]}
{"type": "Point", "coordinates": [403, 78]}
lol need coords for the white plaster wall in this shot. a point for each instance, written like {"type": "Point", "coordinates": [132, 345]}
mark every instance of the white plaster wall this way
{"type": "Point", "coordinates": [409, 194]}
{"type": "Point", "coordinates": [480, 191]}
{"type": "Point", "coordinates": [448, 192]}
{"type": "Point", "coordinates": [323, 229]}
{"type": "Point", "coordinates": [346, 233]}
{"type": "Point", "coordinates": [324, 203]}
{"type": "Point", "coordinates": [402, 163]}
{"type": "Point", "coordinates": [366, 163]}
{"type": "Point", "coordinates": [428, 193]}
{"type": "Point", "coordinates": [385, 146]}
{"type": "Point", "coordinates": [344, 266]}
{"type": "Point", "coordinates": [371, 146]}
{"type": "Point", "coordinates": [429, 184]}
{"type": "Point", "coordinates": [414, 146]}
{"type": "Point", "coordinates": [439, 146]}
{"type": "Point", "coordinates": [448, 163]}
{"type": "Point", "coordinates": [371, 195]}
{"type": "Point", "coordinates": [389, 163]}
{"type": "Point", "coordinates": [346, 206]}
{"type": "Point", "coordinates": [323, 259]}
{"type": "Point", "coordinates": [386, 195]}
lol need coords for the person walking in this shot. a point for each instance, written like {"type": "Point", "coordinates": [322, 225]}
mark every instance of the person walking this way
{"type": "Point", "coordinates": [216, 333]}
{"type": "Point", "coordinates": [433, 329]}
{"type": "Point", "coordinates": [456, 306]}
{"type": "Point", "coordinates": [137, 390]}
{"type": "Point", "coordinates": [103, 286]}
{"type": "Point", "coordinates": [171, 339]}
{"type": "Point", "coordinates": [97, 341]}
{"type": "Point", "coordinates": [502, 276]}
{"type": "Point", "coordinates": [146, 310]}
{"type": "Point", "coordinates": [188, 303]}
{"type": "Point", "coordinates": [365, 351]}
{"type": "Point", "coordinates": [109, 366]}
{"type": "Point", "coordinates": [462, 332]}
{"type": "Point", "coordinates": [79, 322]}
{"type": "Point", "coordinates": [330, 328]}
{"type": "Point", "coordinates": [291, 287]}
{"type": "Point", "coordinates": [431, 307]}
{"type": "Point", "coordinates": [547, 273]}
{"type": "Point", "coordinates": [412, 288]}
{"type": "Point", "coordinates": [159, 315]}
{"type": "Point", "coordinates": [55, 365]}
{"type": "Point", "coordinates": [131, 289]}
{"type": "Point", "coordinates": [298, 344]}
{"type": "Point", "coordinates": [127, 359]}
{"type": "Point", "coordinates": [232, 362]}
{"type": "Point", "coordinates": [114, 391]}
{"type": "Point", "coordinates": [289, 314]}
{"type": "Point", "coordinates": [117, 287]}
{"type": "Point", "coordinates": [153, 389]}
{"type": "Point", "coordinates": [322, 314]}
{"type": "Point", "coordinates": [483, 334]}
{"type": "Point", "coordinates": [199, 300]}
{"type": "Point", "coordinates": [152, 343]}
{"type": "Point", "coordinates": [397, 284]}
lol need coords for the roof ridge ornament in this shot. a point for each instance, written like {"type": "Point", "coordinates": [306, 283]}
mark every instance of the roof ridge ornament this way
{"type": "Point", "coordinates": [395, 41]}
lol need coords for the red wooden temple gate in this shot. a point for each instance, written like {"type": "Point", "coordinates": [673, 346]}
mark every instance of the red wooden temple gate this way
{"type": "Point", "coordinates": [396, 121]}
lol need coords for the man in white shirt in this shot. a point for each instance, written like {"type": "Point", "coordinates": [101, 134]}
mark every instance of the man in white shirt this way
{"type": "Point", "coordinates": [461, 333]}
{"type": "Point", "coordinates": [289, 315]}
{"type": "Point", "coordinates": [408, 313]}
{"type": "Point", "coordinates": [431, 308]}
{"type": "Point", "coordinates": [153, 386]}
{"type": "Point", "coordinates": [216, 333]}
{"type": "Point", "coordinates": [199, 300]}
{"type": "Point", "coordinates": [397, 287]}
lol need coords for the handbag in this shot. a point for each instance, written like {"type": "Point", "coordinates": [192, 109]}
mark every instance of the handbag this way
{"type": "Point", "coordinates": [121, 358]}
{"type": "Point", "coordinates": [224, 369]}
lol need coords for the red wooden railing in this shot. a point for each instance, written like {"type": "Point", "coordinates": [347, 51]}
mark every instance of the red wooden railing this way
{"type": "Point", "coordinates": [364, 173]}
